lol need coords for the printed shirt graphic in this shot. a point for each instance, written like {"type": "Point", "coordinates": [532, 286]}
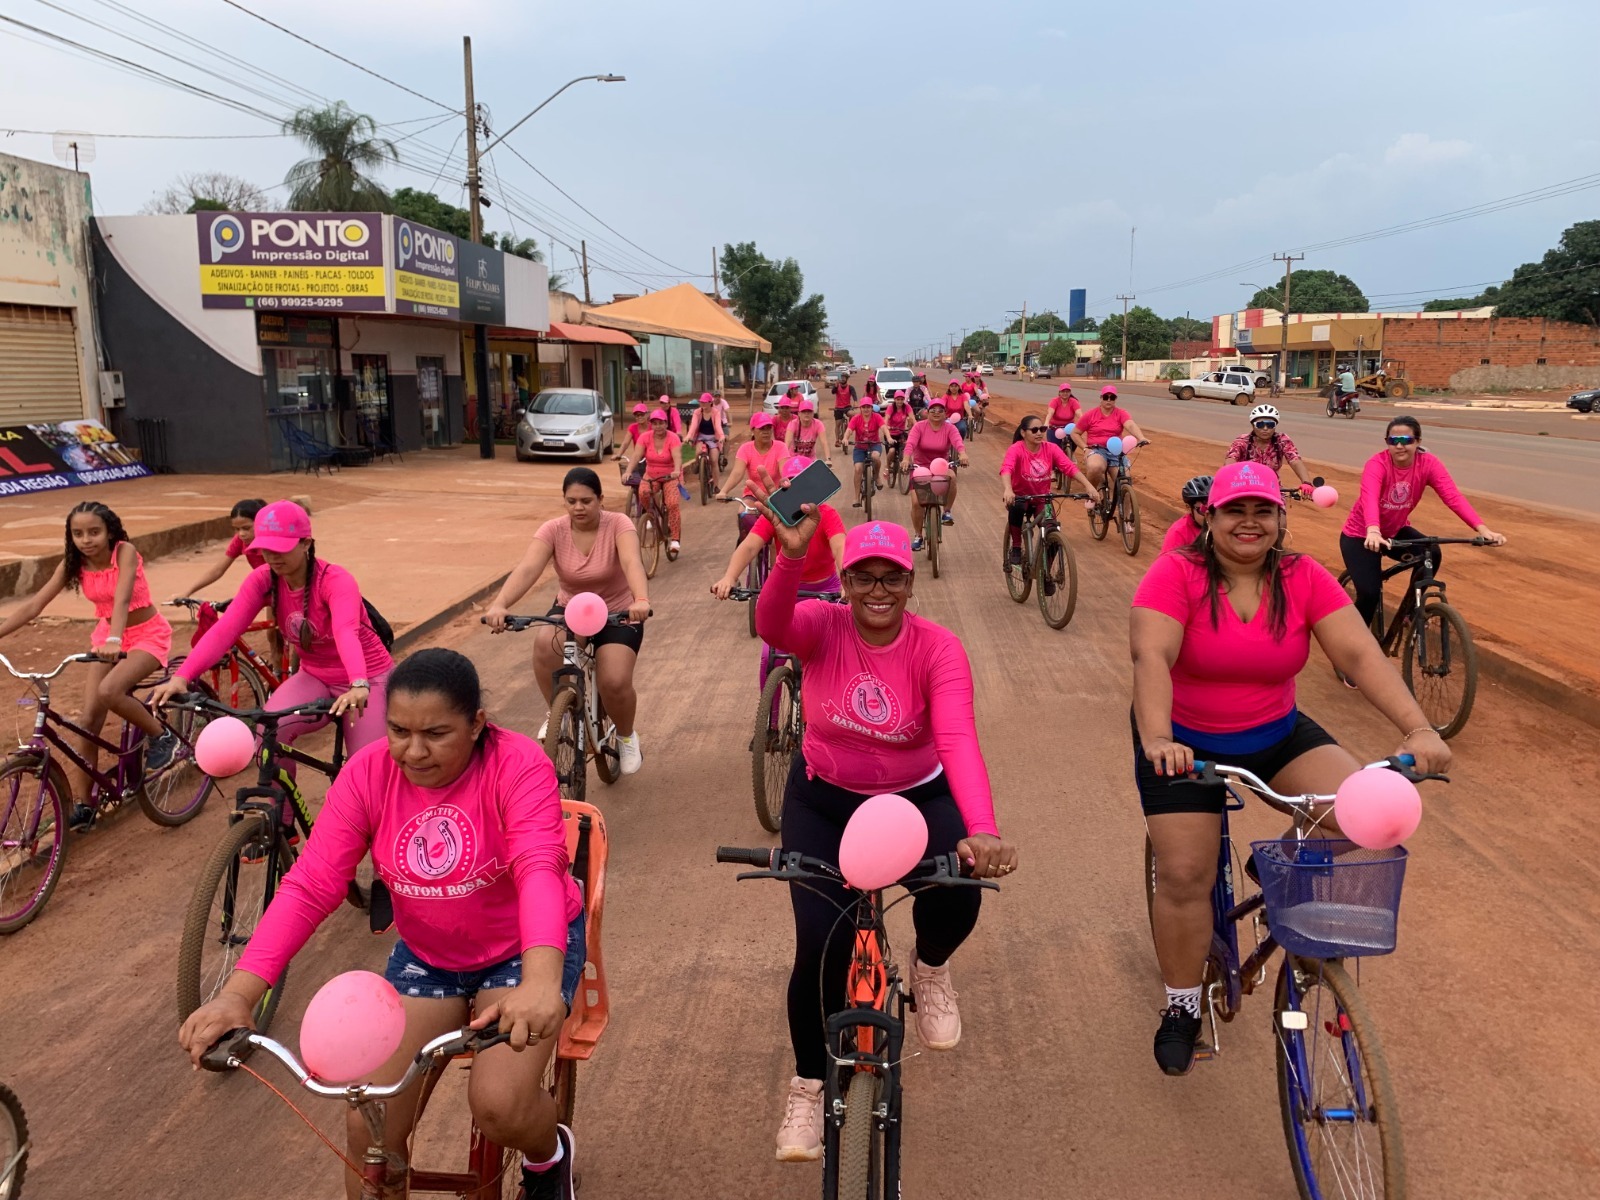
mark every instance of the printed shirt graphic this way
{"type": "Point", "coordinates": [1274, 453]}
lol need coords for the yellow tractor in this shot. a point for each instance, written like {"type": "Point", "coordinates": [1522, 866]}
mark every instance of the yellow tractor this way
{"type": "Point", "coordinates": [1389, 381]}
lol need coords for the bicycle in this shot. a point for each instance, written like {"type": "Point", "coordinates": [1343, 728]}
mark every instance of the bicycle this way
{"type": "Point", "coordinates": [702, 468]}
{"type": "Point", "coordinates": [13, 1144]}
{"type": "Point", "coordinates": [869, 481]}
{"type": "Point", "coordinates": [932, 500]}
{"type": "Point", "coordinates": [1118, 504]}
{"type": "Point", "coordinates": [653, 528]}
{"type": "Point", "coordinates": [780, 722]}
{"type": "Point", "coordinates": [250, 677]}
{"type": "Point", "coordinates": [1437, 655]}
{"type": "Point", "coordinates": [35, 795]}
{"type": "Point", "coordinates": [755, 575]}
{"type": "Point", "coordinates": [248, 862]}
{"type": "Point", "coordinates": [1046, 557]}
{"type": "Point", "coordinates": [1322, 900]}
{"type": "Point", "coordinates": [978, 417]}
{"type": "Point", "coordinates": [862, 1116]}
{"type": "Point", "coordinates": [899, 471]}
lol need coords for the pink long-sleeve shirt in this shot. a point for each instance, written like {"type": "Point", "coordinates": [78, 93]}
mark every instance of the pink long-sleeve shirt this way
{"type": "Point", "coordinates": [1030, 471]}
{"type": "Point", "coordinates": [343, 645]}
{"type": "Point", "coordinates": [1389, 495]}
{"type": "Point", "coordinates": [477, 868]}
{"type": "Point", "coordinates": [879, 718]}
{"type": "Point", "coordinates": [925, 444]}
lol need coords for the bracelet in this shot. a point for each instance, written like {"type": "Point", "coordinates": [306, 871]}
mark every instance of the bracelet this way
{"type": "Point", "coordinates": [1414, 732]}
{"type": "Point", "coordinates": [117, 640]}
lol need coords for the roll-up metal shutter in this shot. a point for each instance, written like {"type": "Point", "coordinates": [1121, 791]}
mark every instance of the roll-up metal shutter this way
{"type": "Point", "coordinates": [39, 367]}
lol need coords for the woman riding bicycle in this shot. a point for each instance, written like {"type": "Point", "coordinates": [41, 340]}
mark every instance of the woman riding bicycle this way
{"type": "Point", "coordinates": [319, 610]}
{"type": "Point", "coordinates": [935, 438]}
{"type": "Point", "coordinates": [630, 454]}
{"type": "Point", "coordinates": [864, 439]}
{"type": "Point", "coordinates": [1026, 473]}
{"type": "Point", "coordinates": [1098, 425]}
{"type": "Point", "coordinates": [663, 468]}
{"type": "Point", "coordinates": [788, 409]}
{"type": "Point", "coordinates": [593, 551]}
{"type": "Point", "coordinates": [463, 821]}
{"type": "Point", "coordinates": [762, 456]}
{"type": "Point", "coordinates": [1219, 631]}
{"type": "Point", "coordinates": [1392, 484]}
{"type": "Point", "coordinates": [806, 437]}
{"type": "Point", "coordinates": [1265, 445]}
{"type": "Point", "coordinates": [889, 701]}
{"type": "Point", "coordinates": [1187, 528]}
{"type": "Point", "coordinates": [707, 432]}
{"type": "Point", "coordinates": [898, 419]}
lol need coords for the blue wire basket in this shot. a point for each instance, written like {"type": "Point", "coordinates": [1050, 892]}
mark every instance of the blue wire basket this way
{"type": "Point", "coordinates": [1330, 898]}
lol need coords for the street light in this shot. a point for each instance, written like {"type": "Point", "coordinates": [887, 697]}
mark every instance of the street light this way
{"type": "Point", "coordinates": [552, 96]}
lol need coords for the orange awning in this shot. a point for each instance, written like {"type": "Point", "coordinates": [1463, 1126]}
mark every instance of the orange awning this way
{"type": "Point", "coordinates": [561, 331]}
{"type": "Point", "coordinates": [682, 311]}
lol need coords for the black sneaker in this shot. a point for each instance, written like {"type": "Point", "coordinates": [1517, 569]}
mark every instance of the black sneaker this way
{"type": "Point", "coordinates": [160, 752]}
{"type": "Point", "coordinates": [1014, 557]}
{"type": "Point", "coordinates": [82, 816]}
{"type": "Point", "coordinates": [556, 1183]}
{"type": "Point", "coordinates": [1175, 1040]}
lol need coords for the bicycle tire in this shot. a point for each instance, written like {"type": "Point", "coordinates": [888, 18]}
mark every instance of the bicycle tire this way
{"type": "Point", "coordinates": [860, 1142]}
{"type": "Point", "coordinates": [1448, 643]}
{"type": "Point", "coordinates": [35, 878]}
{"type": "Point", "coordinates": [607, 754]}
{"type": "Point", "coordinates": [649, 543]}
{"type": "Point", "coordinates": [563, 742]}
{"type": "Point", "coordinates": [1128, 514]}
{"type": "Point", "coordinates": [226, 877]}
{"type": "Point", "coordinates": [176, 793]}
{"type": "Point", "coordinates": [1059, 600]}
{"type": "Point", "coordinates": [1019, 578]}
{"type": "Point", "coordinates": [705, 480]}
{"type": "Point", "coordinates": [13, 1140]}
{"type": "Point", "coordinates": [770, 750]}
{"type": "Point", "coordinates": [1378, 616]}
{"type": "Point", "coordinates": [1099, 521]}
{"type": "Point", "coordinates": [755, 579]}
{"type": "Point", "coordinates": [1357, 1043]}
{"type": "Point", "coordinates": [250, 690]}
{"type": "Point", "coordinates": [869, 483]}
{"type": "Point", "coordinates": [930, 536]}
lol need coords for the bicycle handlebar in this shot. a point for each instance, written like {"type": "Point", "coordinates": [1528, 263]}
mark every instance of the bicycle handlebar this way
{"type": "Point", "coordinates": [1220, 773]}
{"type": "Point", "coordinates": [224, 1055]}
{"type": "Point", "coordinates": [518, 624]}
{"type": "Point", "coordinates": [41, 676]}
{"type": "Point", "coordinates": [200, 702]}
{"type": "Point", "coordinates": [945, 870]}
{"type": "Point", "coordinates": [1442, 541]}
{"type": "Point", "coordinates": [754, 593]}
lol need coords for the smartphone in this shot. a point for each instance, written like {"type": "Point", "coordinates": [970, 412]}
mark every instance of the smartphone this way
{"type": "Point", "coordinates": [812, 486]}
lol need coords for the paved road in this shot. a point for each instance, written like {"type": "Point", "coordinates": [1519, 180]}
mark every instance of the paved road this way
{"type": "Point", "coordinates": [1051, 1093]}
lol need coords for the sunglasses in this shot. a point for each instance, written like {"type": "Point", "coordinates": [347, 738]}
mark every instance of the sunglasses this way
{"type": "Point", "coordinates": [1033, 429]}
{"type": "Point", "coordinates": [893, 583]}
{"type": "Point", "coordinates": [1399, 439]}
{"type": "Point", "coordinates": [1266, 424]}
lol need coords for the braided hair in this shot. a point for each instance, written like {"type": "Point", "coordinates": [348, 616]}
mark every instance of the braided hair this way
{"type": "Point", "coordinates": [304, 639]}
{"type": "Point", "coordinates": [73, 558]}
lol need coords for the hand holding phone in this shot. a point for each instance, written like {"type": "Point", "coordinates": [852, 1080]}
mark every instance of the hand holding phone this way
{"type": "Point", "coordinates": [812, 486]}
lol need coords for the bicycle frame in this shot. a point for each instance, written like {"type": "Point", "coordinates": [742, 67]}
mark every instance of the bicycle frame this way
{"type": "Point", "coordinates": [1414, 601]}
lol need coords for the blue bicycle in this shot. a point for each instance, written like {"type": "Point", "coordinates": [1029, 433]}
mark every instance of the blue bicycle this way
{"type": "Point", "coordinates": [1323, 900]}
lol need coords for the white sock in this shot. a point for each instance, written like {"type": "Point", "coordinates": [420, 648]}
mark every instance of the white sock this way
{"type": "Point", "coordinates": [631, 738]}
{"type": "Point", "coordinates": [540, 1168]}
{"type": "Point", "coordinates": [1187, 999]}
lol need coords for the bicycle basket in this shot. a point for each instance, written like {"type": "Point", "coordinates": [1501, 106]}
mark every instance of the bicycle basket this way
{"type": "Point", "coordinates": [1330, 898]}
{"type": "Point", "coordinates": [934, 491]}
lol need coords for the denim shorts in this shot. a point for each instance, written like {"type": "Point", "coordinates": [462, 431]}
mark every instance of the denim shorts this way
{"type": "Point", "coordinates": [1118, 460]}
{"type": "Point", "coordinates": [861, 453]}
{"type": "Point", "coordinates": [413, 977]}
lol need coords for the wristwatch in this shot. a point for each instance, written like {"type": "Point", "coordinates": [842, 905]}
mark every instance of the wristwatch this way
{"type": "Point", "coordinates": [360, 683]}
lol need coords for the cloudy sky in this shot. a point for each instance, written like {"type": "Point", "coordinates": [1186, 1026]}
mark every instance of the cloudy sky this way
{"type": "Point", "coordinates": [930, 165]}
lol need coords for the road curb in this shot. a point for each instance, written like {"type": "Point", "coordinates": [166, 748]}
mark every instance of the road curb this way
{"type": "Point", "coordinates": [438, 620]}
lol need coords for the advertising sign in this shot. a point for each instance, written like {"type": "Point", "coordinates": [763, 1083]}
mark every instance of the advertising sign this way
{"type": "Point", "coordinates": [425, 271]}
{"type": "Point", "coordinates": [319, 261]}
{"type": "Point", "coordinates": [41, 458]}
{"type": "Point", "coordinates": [483, 284]}
{"type": "Point", "coordinates": [291, 329]}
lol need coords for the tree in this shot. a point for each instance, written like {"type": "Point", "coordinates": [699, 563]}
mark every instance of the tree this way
{"type": "Point", "coordinates": [1086, 325]}
{"type": "Point", "coordinates": [1314, 292]}
{"type": "Point", "coordinates": [1148, 336]}
{"type": "Point", "coordinates": [770, 298]}
{"type": "Point", "coordinates": [427, 209]}
{"type": "Point", "coordinates": [981, 344]}
{"type": "Point", "coordinates": [1189, 329]}
{"type": "Point", "coordinates": [207, 191]}
{"type": "Point", "coordinates": [1040, 322]}
{"type": "Point", "coordinates": [345, 149]}
{"type": "Point", "coordinates": [1490, 295]}
{"type": "Point", "coordinates": [1564, 285]}
{"type": "Point", "coordinates": [1059, 352]}
{"type": "Point", "coordinates": [840, 354]}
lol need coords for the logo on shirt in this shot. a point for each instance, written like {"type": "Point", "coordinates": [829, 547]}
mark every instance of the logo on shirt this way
{"type": "Point", "coordinates": [870, 707]}
{"type": "Point", "coordinates": [436, 845]}
{"type": "Point", "coordinates": [1400, 493]}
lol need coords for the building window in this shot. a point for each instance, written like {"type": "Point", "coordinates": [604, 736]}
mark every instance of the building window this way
{"type": "Point", "coordinates": [1539, 361]}
{"type": "Point", "coordinates": [1483, 362]}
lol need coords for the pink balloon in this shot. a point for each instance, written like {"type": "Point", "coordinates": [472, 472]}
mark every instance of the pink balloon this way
{"type": "Point", "coordinates": [1378, 809]}
{"type": "Point", "coordinates": [921, 475]}
{"type": "Point", "coordinates": [351, 1028]}
{"type": "Point", "coordinates": [940, 466]}
{"type": "Point", "coordinates": [883, 839]}
{"type": "Point", "coordinates": [225, 747]}
{"type": "Point", "coordinates": [1325, 496]}
{"type": "Point", "coordinates": [586, 614]}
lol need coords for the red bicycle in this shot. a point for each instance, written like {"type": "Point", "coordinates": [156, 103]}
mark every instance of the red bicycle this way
{"type": "Point", "coordinates": [245, 677]}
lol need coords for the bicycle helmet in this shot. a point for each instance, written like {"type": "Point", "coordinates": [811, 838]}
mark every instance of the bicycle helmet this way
{"type": "Point", "coordinates": [1263, 412]}
{"type": "Point", "coordinates": [1197, 490]}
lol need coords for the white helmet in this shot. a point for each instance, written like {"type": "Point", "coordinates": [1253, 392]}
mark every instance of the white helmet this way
{"type": "Point", "coordinates": [1263, 412]}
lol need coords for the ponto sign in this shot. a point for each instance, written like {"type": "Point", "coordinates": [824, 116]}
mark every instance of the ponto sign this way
{"type": "Point", "coordinates": [420, 242]}
{"type": "Point", "coordinates": [286, 233]}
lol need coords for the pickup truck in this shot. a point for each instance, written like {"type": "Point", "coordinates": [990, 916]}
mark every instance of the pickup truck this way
{"type": "Point", "coordinates": [1234, 384]}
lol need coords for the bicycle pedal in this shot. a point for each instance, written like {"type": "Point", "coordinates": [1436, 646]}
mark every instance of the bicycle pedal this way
{"type": "Point", "coordinates": [1204, 1053]}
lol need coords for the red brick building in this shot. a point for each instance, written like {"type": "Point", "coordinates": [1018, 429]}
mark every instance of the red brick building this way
{"type": "Point", "coordinates": [1475, 353]}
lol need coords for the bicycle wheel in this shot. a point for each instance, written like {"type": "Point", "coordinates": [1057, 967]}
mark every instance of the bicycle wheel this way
{"type": "Point", "coordinates": [754, 579]}
{"type": "Point", "coordinates": [869, 484]}
{"type": "Point", "coordinates": [860, 1142]}
{"type": "Point", "coordinates": [705, 479]}
{"type": "Point", "coordinates": [235, 682]}
{"type": "Point", "coordinates": [903, 477]}
{"type": "Point", "coordinates": [235, 886]}
{"type": "Point", "coordinates": [1128, 517]}
{"type": "Point", "coordinates": [1099, 521]}
{"type": "Point", "coordinates": [563, 742]}
{"type": "Point", "coordinates": [1057, 569]}
{"type": "Point", "coordinates": [649, 542]}
{"type": "Point", "coordinates": [607, 753]}
{"type": "Point", "coordinates": [1019, 578]}
{"type": "Point", "coordinates": [33, 838]}
{"type": "Point", "coordinates": [1339, 1115]}
{"type": "Point", "coordinates": [773, 745]}
{"type": "Point", "coordinates": [175, 794]}
{"type": "Point", "coordinates": [13, 1142]}
{"type": "Point", "coordinates": [1440, 666]}
{"type": "Point", "coordinates": [930, 536]}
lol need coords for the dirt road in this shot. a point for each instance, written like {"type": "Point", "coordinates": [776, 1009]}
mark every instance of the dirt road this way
{"type": "Point", "coordinates": [1051, 1093]}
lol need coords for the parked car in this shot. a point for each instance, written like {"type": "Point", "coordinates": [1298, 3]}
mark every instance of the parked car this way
{"type": "Point", "coordinates": [893, 379]}
{"type": "Point", "coordinates": [1234, 384]}
{"type": "Point", "coordinates": [776, 392]}
{"type": "Point", "coordinates": [985, 368]}
{"type": "Point", "coordinates": [1041, 371]}
{"type": "Point", "coordinates": [1585, 402]}
{"type": "Point", "coordinates": [833, 376]}
{"type": "Point", "coordinates": [566, 421]}
{"type": "Point", "coordinates": [1009, 369]}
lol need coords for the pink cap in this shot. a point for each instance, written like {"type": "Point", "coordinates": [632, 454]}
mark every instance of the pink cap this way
{"type": "Point", "coordinates": [707, 398]}
{"type": "Point", "coordinates": [1065, 387]}
{"type": "Point", "coordinates": [937, 402]}
{"type": "Point", "coordinates": [665, 401]}
{"type": "Point", "coordinates": [795, 465]}
{"type": "Point", "coordinates": [641, 407]}
{"type": "Point", "coordinates": [787, 402]}
{"type": "Point", "coordinates": [280, 527]}
{"type": "Point", "coordinates": [761, 421]}
{"type": "Point", "coordinates": [1245, 481]}
{"type": "Point", "coordinates": [880, 539]}
{"type": "Point", "coordinates": [808, 406]}
{"type": "Point", "coordinates": [660, 414]}
{"type": "Point", "coordinates": [1107, 391]}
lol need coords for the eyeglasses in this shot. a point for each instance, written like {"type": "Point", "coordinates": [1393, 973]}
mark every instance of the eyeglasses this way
{"type": "Point", "coordinates": [863, 584]}
{"type": "Point", "coordinates": [1399, 439]}
{"type": "Point", "coordinates": [1033, 429]}
{"type": "Point", "coordinates": [1266, 424]}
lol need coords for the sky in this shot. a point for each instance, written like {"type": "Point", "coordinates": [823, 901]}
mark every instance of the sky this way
{"type": "Point", "coordinates": [931, 166]}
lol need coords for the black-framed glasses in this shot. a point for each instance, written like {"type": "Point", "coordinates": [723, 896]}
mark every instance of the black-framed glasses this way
{"type": "Point", "coordinates": [1265, 424]}
{"type": "Point", "coordinates": [1400, 439]}
{"type": "Point", "coordinates": [1033, 429]}
{"type": "Point", "coordinates": [892, 582]}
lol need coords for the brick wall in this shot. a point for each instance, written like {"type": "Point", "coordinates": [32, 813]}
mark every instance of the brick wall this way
{"type": "Point", "coordinates": [1478, 352]}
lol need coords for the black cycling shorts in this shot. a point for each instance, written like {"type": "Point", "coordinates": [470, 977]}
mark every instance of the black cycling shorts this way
{"type": "Point", "coordinates": [631, 636]}
{"type": "Point", "coordinates": [1161, 794]}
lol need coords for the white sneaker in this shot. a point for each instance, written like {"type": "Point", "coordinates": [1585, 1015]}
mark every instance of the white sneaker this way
{"type": "Point", "coordinates": [629, 756]}
{"type": "Point", "coordinates": [544, 729]}
{"type": "Point", "coordinates": [800, 1135]}
{"type": "Point", "coordinates": [674, 546]}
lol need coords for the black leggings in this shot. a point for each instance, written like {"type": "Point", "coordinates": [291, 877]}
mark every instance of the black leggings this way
{"type": "Point", "coordinates": [814, 817]}
{"type": "Point", "coordinates": [1366, 568]}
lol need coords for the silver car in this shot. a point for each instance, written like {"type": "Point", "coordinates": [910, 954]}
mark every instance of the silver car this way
{"type": "Point", "coordinates": [566, 421]}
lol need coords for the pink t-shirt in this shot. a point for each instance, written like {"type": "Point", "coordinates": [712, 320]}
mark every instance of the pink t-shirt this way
{"type": "Point", "coordinates": [1063, 412]}
{"type": "Point", "coordinates": [1236, 676]}
{"type": "Point", "coordinates": [769, 464]}
{"type": "Point", "coordinates": [660, 461]}
{"type": "Point", "coordinates": [879, 718]}
{"type": "Point", "coordinates": [868, 428]}
{"type": "Point", "coordinates": [236, 547]}
{"type": "Point", "coordinates": [780, 425]}
{"type": "Point", "coordinates": [1030, 472]}
{"type": "Point", "coordinates": [927, 443]}
{"type": "Point", "coordinates": [802, 438]}
{"type": "Point", "coordinates": [1096, 426]}
{"type": "Point", "coordinates": [343, 645]}
{"type": "Point", "coordinates": [819, 562]}
{"type": "Point", "coordinates": [1180, 533]}
{"type": "Point", "coordinates": [599, 571]}
{"type": "Point", "coordinates": [477, 869]}
{"type": "Point", "coordinates": [1389, 495]}
{"type": "Point", "coordinates": [898, 418]}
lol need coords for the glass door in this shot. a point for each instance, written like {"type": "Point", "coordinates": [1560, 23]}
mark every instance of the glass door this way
{"type": "Point", "coordinates": [297, 384]}
{"type": "Point", "coordinates": [430, 400]}
{"type": "Point", "coordinates": [370, 392]}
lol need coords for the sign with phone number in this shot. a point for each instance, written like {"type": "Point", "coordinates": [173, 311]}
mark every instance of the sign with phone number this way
{"type": "Point", "coordinates": [43, 458]}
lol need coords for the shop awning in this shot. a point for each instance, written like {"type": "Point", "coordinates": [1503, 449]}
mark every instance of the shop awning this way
{"type": "Point", "coordinates": [683, 311]}
{"type": "Point", "coordinates": [561, 331]}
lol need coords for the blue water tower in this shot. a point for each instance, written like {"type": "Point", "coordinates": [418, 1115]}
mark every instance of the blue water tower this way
{"type": "Point", "coordinates": [1077, 305]}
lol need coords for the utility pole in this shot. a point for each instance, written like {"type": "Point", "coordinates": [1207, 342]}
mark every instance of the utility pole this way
{"type": "Point", "coordinates": [1288, 261]}
{"type": "Point", "coordinates": [583, 248]}
{"type": "Point", "coordinates": [717, 286]}
{"type": "Point", "coordinates": [1123, 372]}
{"type": "Point", "coordinates": [480, 332]}
{"type": "Point", "coordinates": [1022, 339]}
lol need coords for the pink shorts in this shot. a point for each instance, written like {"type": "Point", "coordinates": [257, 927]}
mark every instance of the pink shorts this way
{"type": "Point", "coordinates": [154, 637]}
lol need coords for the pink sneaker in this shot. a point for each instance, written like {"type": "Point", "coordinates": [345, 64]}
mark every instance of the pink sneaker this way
{"type": "Point", "coordinates": [938, 1018]}
{"type": "Point", "coordinates": [800, 1135]}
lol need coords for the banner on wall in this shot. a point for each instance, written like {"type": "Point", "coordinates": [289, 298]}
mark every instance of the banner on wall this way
{"type": "Point", "coordinates": [483, 284]}
{"type": "Point", "coordinates": [310, 261]}
{"type": "Point", "coordinates": [42, 458]}
{"type": "Point", "coordinates": [426, 278]}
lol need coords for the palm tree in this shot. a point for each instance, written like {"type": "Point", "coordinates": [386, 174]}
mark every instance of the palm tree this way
{"type": "Point", "coordinates": [344, 146]}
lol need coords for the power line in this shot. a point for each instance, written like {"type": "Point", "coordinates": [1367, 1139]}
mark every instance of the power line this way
{"type": "Point", "coordinates": [165, 137]}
